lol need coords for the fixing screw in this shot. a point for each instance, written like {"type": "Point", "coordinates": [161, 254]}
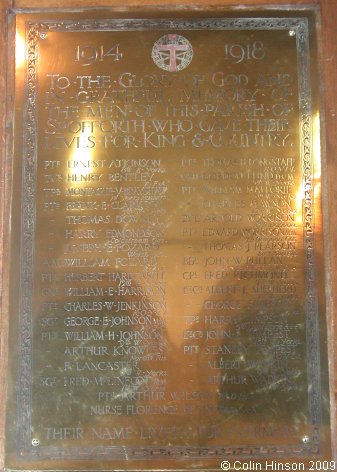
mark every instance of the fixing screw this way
{"type": "Point", "coordinates": [35, 442]}
{"type": "Point", "coordinates": [43, 35]}
{"type": "Point", "coordinates": [292, 33]}
{"type": "Point", "coordinates": [305, 439]}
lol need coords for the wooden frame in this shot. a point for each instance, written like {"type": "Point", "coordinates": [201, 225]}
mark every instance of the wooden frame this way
{"type": "Point", "coordinates": [328, 56]}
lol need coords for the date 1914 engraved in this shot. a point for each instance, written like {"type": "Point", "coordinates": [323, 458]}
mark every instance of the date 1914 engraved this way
{"type": "Point", "coordinates": [88, 55]}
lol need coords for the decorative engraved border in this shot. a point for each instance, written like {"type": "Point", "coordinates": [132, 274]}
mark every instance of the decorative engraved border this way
{"type": "Point", "coordinates": [24, 396]}
{"type": "Point", "coordinates": [312, 328]}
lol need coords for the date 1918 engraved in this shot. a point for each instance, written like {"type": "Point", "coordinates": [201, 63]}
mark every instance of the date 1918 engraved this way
{"type": "Point", "coordinates": [241, 52]}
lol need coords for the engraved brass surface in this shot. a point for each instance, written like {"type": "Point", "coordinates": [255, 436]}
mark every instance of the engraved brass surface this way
{"type": "Point", "coordinates": [167, 291]}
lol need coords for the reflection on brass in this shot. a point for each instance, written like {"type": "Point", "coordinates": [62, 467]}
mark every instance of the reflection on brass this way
{"type": "Point", "coordinates": [167, 292]}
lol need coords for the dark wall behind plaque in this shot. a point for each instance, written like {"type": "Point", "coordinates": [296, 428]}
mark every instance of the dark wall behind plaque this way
{"type": "Point", "coordinates": [167, 299]}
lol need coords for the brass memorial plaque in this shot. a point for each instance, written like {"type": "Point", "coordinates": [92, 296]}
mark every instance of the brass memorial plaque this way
{"type": "Point", "coordinates": [167, 301]}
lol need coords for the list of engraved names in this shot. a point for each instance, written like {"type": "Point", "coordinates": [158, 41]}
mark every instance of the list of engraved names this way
{"type": "Point", "coordinates": [169, 262]}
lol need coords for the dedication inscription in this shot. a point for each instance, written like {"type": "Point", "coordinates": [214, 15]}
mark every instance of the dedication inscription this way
{"type": "Point", "coordinates": [170, 298]}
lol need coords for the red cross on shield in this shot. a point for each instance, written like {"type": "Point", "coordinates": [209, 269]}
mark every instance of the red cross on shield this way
{"type": "Point", "coordinates": [173, 48]}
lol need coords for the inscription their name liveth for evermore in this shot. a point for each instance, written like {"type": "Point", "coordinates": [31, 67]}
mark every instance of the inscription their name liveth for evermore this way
{"type": "Point", "coordinates": [167, 288]}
